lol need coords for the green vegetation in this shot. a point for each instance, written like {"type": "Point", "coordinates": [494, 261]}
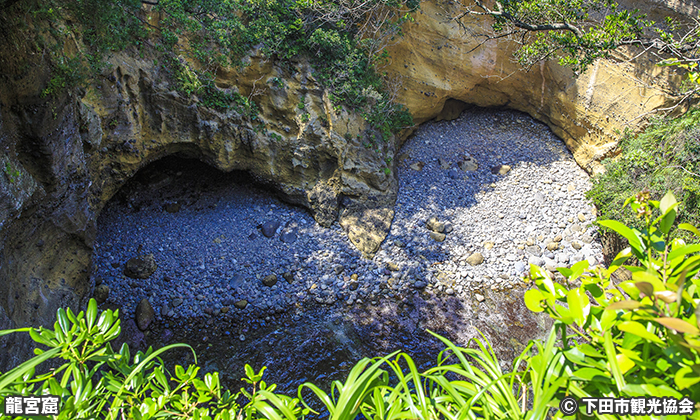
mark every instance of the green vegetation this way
{"type": "Point", "coordinates": [578, 32]}
{"type": "Point", "coordinates": [638, 338]}
{"type": "Point", "coordinates": [11, 172]}
{"type": "Point", "coordinates": [344, 41]}
{"type": "Point", "coordinates": [666, 156]}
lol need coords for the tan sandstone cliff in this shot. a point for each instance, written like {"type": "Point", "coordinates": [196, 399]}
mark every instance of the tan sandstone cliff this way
{"type": "Point", "coordinates": [439, 62]}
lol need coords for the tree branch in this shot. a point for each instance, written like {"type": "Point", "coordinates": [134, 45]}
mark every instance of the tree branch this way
{"type": "Point", "coordinates": [500, 13]}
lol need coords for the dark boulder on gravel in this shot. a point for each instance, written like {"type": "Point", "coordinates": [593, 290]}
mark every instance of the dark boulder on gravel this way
{"type": "Point", "coordinates": [101, 293]}
{"type": "Point", "coordinates": [269, 280]}
{"type": "Point", "coordinates": [144, 314]}
{"type": "Point", "coordinates": [141, 267]}
{"type": "Point", "coordinates": [269, 228]}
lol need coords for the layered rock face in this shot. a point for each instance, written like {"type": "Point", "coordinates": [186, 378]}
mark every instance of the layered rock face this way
{"type": "Point", "coordinates": [441, 64]}
{"type": "Point", "coordinates": [62, 158]}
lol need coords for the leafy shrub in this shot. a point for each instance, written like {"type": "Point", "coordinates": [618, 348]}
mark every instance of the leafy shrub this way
{"type": "Point", "coordinates": [638, 338]}
{"type": "Point", "coordinates": [666, 156]}
{"type": "Point", "coordinates": [97, 382]}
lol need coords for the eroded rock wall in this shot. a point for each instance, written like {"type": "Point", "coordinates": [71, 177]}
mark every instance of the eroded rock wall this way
{"type": "Point", "coordinates": [437, 60]}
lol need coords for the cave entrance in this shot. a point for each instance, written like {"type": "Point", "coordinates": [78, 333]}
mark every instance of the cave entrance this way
{"type": "Point", "coordinates": [194, 241]}
{"type": "Point", "coordinates": [243, 277]}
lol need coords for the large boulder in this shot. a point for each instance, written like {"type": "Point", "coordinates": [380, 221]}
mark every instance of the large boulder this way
{"type": "Point", "coordinates": [141, 267]}
{"type": "Point", "coordinates": [144, 314]}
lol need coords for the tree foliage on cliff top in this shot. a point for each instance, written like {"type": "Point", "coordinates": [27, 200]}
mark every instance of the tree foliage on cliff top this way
{"type": "Point", "coordinates": [345, 41]}
{"type": "Point", "coordinates": [666, 156]}
{"type": "Point", "coordinates": [578, 32]}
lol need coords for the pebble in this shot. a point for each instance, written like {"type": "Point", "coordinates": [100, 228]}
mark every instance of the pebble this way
{"type": "Point", "coordinates": [269, 228]}
{"type": "Point", "coordinates": [288, 237]}
{"type": "Point", "coordinates": [438, 237]}
{"type": "Point", "coordinates": [269, 280]}
{"type": "Point", "coordinates": [216, 245]}
{"type": "Point", "coordinates": [535, 261]}
{"type": "Point", "coordinates": [435, 225]}
{"type": "Point", "coordinates": [101, 293]}
{"type": "Point", "coordinates": [475, 259]}
{"type": "Point", "coordinates": [144, 314]}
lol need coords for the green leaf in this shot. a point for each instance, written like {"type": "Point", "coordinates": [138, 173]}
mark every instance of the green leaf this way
{"type": "Point", "coordinates": [63, 320]}
{"type": "Point", "coordinates": [589, 374]}
{"type": "Point", "coordinates": [689, 228]}
{"type": "Point", "coordinates": [683, 251]}
{"type": "Point", "coordinates": [647, 277]}
{"type": "Point", "coordinates": [578, 269]}
{"type": "Point", "coordinates": [667, 221]}
{"type": "Point", "coordinates": [533, 300]}
{"type": "Point", "coordinates": [10, 377]}
{"type": "Point", "coordinates": [138, 370]}
{"type": "Point", "coordinates": [634, 327]}
{"type": "Point", "coordinates": [624, 363]}
{"type": "Point", "coordinates": [5, 332]}
{"type": "Point", "coordinates": [91, 313]}
{"type": "Point", "coordinates": [589, 350]}
{"type": "Point", "coordinates": [620, 259]}
{"type": "Point", "coordinates": [667, 203]}
{"type": "Point", "coordinates": [685, 378]}
{"type": "Point", "coordinates": [629, 234]}
{"type": "Point", "coordinates": [609, 347]}
{"type": "Point", "coordinates": [249, 373]}
{"type": "Point", "coordinates": [579, 305]}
